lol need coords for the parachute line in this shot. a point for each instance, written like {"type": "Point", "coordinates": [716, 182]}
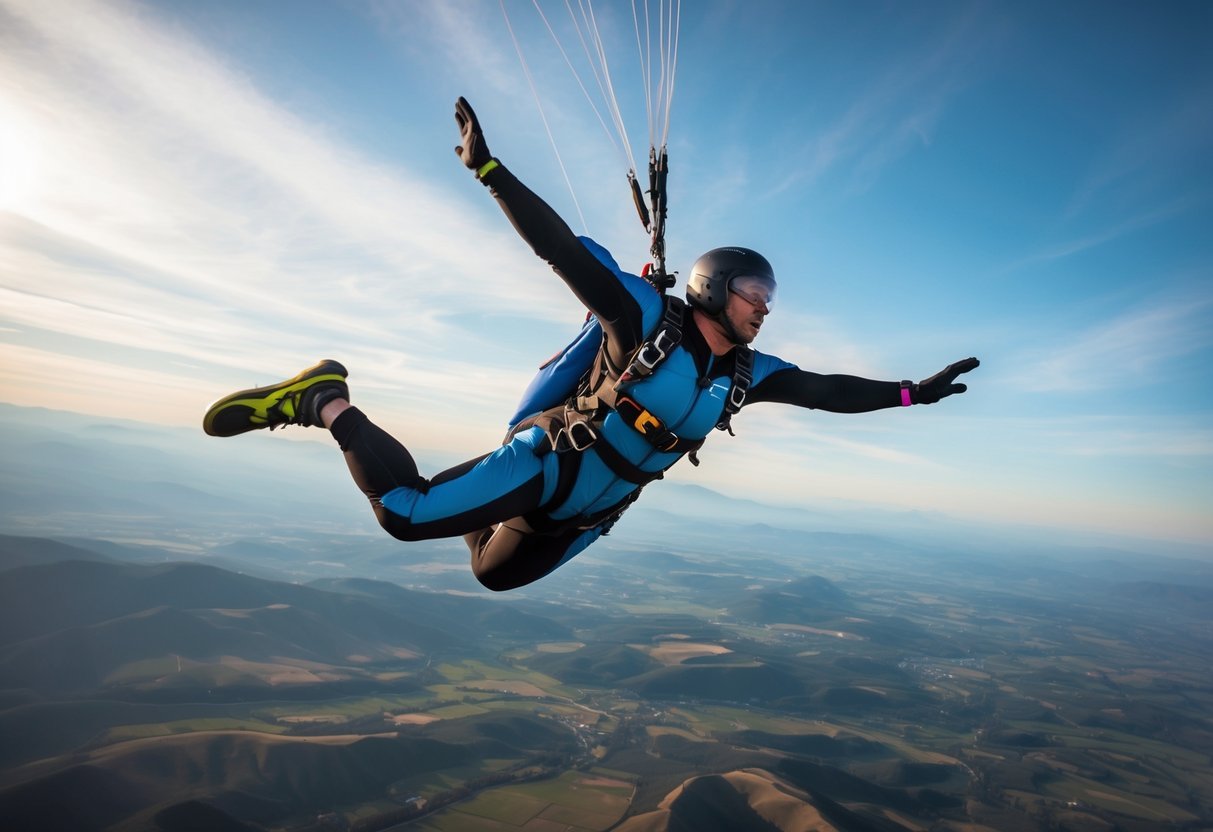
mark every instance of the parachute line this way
{"type": "Point", "coordinates": [555, 39]}
{"type": "Point", "coordinates": [671, 65]}
{"type": "Point", "coordinates": [657, 52]}
{"type": "Point", "coordinates": [646, 69]}
{"type": "Point", "coordinates": [612, 100]}
{"type": "Point", "coordinates": [542, 117]}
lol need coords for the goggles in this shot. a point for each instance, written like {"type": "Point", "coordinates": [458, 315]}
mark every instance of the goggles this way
{"type": "Point", "coordinates": [754, 289]}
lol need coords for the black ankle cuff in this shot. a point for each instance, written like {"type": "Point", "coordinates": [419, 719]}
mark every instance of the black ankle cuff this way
{"type": "Point", "coordinates": [345, 424]}
{"type": "Point", "coordinates": [322, 394]}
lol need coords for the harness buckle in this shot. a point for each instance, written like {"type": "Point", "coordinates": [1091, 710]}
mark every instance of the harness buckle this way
{"type": "Point", "coordinates": [646, 424]}
{"type": "Point", "coordinates": [737, 397]}
{"type": "Point", "coordinates": [664, 341]}
{"type": "Point", "coordinates": [645, 421]}
{"type": "Point", "coordinates": [652, 429]}
{"type": "Point", "coordinates": [665, 441]}
{"type": "Point", "coordinates": [589, 437]}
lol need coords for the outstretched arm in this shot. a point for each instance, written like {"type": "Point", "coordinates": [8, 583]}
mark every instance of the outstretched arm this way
{"type": "Point", "coordinates": [851, 394]}
{"type": "Point", "coordinates": [552, 240]}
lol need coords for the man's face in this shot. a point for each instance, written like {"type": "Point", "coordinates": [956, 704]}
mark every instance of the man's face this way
{"type": "Point", "coordinates": [748, 305]}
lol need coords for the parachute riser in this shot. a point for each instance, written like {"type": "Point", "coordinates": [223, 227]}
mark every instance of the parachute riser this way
{"type": "Point", "coordinates": [653, 215]}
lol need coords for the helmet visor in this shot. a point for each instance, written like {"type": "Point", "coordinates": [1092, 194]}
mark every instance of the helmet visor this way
{"type": "Point", "coordinates": [755, 289]}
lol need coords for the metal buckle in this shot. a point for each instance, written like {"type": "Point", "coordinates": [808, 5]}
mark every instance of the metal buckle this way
{"type": "Point", "coordinates": [656, 345]}
{"type": "Point", "coordinates": [666, 441]}
{"type": "Point", "coordinates": [570, 434]}
{"type": "Point", "coordinates": [737, 397]}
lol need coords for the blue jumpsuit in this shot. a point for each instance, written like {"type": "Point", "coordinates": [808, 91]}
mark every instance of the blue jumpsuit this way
{"type": "Point", "coordinates": [494, 501]}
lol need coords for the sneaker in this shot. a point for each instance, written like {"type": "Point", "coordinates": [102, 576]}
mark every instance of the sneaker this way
{"type": "Point", "coordinates": [296, 401]}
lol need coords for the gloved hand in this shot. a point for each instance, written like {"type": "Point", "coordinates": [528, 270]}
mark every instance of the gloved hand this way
{"type": "Point", "coordinates": [941, 385]}
{"type": "Point", "coordinates": [473, 151]}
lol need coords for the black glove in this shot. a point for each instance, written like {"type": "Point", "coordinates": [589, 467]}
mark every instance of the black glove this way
{"type": "Point", "coordinates": [941, 385]}
{"type": "Point", "coordinates": [473, 151]}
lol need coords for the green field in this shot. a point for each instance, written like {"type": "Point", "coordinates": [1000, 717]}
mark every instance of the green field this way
{"type": "Point", "coordinates": [121, 733]}
{"type": "Point", "coordinates": [966, 700]}
{"type": "Point", "coordinates": [575, 801]}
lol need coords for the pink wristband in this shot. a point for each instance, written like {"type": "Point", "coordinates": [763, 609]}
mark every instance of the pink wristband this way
{"type": "Point", "coordinates": [905, 395]}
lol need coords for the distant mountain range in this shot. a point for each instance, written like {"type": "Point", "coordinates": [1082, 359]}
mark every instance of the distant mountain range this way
{"type": "Point", "coordinates": [174, 641]}
{"type": "Point", "coordinates": [68, 475]}
{"type": "Point", "coordinates": [742, 690]}
{"type": "Point", "coordinates": [80, 625]}
{"type": "Point", "coordinates": [255, 776]}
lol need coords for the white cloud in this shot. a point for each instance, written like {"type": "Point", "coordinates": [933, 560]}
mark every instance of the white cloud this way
{"type": "Point", "coordinates": [1067, 248]}
{"type": "Point", "coordinates": [895, 112]}
{"type": "Point", "coordinates": [1129, 349]}
{"type": "Point", "coordinates": [169, 158]}
{"type": "Point", "coordinates": [1169, 438]}
{"type": "Point", "coordinates": [470, 34]}
{"type": "Point", "coordinates": [181, 218]}
{"type": "Point", "coordinates": [815, 343]}
{"type": "Point", "coordinates": [1150, 151]}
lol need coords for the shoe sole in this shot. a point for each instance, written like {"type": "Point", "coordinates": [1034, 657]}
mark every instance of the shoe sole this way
{"type": "Point", "coordinates": [248, 410]}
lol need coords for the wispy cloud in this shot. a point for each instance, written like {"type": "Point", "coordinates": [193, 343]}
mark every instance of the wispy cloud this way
{"type": "Point", "coordinates": [894, 113]}
{"type": "Point", "coordinates": [1174, 438]}
{"type": "Point", "coordinates": [1138, 221]}
{"type": "Point", "coordinates": [1182, 445]}
{"type": "Point", "coordinates": [817, 344]}
{"type": "Point", "coordinates": [211, 183]}
{"type": "Point", "coordinates": [470, 34]}
{"type": "Point", "coordinates": [1165, 148]}
{"type": "Point", "coordinates": [179, 217]}
{"type": "Point", "coordinates": [1130, 348]}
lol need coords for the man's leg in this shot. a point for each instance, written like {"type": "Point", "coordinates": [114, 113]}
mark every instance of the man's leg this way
{"type": "Point", "coordinates": [461, 500]}
{"type": "Point", "coordinates": [512, 555]}
{"type": "Point", "coordinates": [476, 499]}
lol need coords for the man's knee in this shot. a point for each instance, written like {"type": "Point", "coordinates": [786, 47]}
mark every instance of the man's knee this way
{"type": "Point", "coordinates": [496, 560]}
{"type": "Point", "coordinates": [490, 577]}
{"type": "Point", "coordinates": [397, 526]}
{"type": "Point", "coordinates": [498, 580]}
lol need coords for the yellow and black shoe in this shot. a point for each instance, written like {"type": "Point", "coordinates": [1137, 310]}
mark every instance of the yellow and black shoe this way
{"type": "Point", "coordinates": [296, 401]}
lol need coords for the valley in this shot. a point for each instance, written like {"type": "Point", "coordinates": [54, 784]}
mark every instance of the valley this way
{"type": "Point", "coordinates": [852, 699]}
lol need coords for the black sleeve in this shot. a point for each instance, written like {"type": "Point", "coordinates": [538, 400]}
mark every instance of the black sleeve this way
{"type": "Point", "coordinates": [835, 393]}
{"type": "Point", "coordinates": [552, 240]}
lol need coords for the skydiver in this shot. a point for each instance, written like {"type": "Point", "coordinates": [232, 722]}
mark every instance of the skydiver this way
{"type": "Point", "coordinates": [664, 377]}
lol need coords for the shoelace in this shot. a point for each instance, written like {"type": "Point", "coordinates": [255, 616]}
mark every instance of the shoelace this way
{"type": "Point", "coordinates": [296, 399]}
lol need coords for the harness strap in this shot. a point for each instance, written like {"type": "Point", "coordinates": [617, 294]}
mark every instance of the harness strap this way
{"type": "Point", "coordinates": [569, 430]}
{"type": "Point", "coordinates": [575, 426]}
{"type": "Point", "coordinates": [542, 523]}
{"type": "Point", "coordinates": [570, 433]}
{"type": "Point", "coordinates": [540, 520]}
{"type": "Point", "coordinates": [552, 423]}
{"type": "Point", "coordinates": [601, 391]}
{"type": "Point", "coordinates": [655, 350]}
{"type": "Point", "coordinates": [622, 467]}
{"type": "Point", "coordinates": [652, 428]}
{"type": "Point", "coordinates": [743, 375]}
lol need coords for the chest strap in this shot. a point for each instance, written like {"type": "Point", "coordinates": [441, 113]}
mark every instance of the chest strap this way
{"type": "Point", "coordinates": [743, 376]}
{"type": "Point", "coordinates": [603, 390]}
{"type": "Point", "coordinates": [652, 428]}
{"type": "Point", "coordinates": [570, 431]}
{"type": "Point", "coordinates": [657, 349]}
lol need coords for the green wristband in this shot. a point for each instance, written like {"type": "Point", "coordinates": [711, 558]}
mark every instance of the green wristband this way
{"type": "Point", "coordinates": [488, 166]}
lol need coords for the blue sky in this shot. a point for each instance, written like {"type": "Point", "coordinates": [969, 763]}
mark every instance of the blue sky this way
{"type": "Point", "coordinates": [197, 197]}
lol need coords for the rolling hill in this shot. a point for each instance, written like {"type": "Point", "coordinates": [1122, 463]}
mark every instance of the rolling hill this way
{"type": "Point", "coordinates": [259, 776]}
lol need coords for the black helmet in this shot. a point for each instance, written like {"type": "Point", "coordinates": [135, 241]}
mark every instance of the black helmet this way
{"type": "Point", "coordinates": [708, 284]}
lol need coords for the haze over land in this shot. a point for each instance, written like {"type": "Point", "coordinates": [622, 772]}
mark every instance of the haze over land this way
{"type": "Point", "coordinates": [178, 648]}
{"type": "Point", "coordinates": [957, 618]}
{"type": "Point", "coordinates": [200, 197]}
